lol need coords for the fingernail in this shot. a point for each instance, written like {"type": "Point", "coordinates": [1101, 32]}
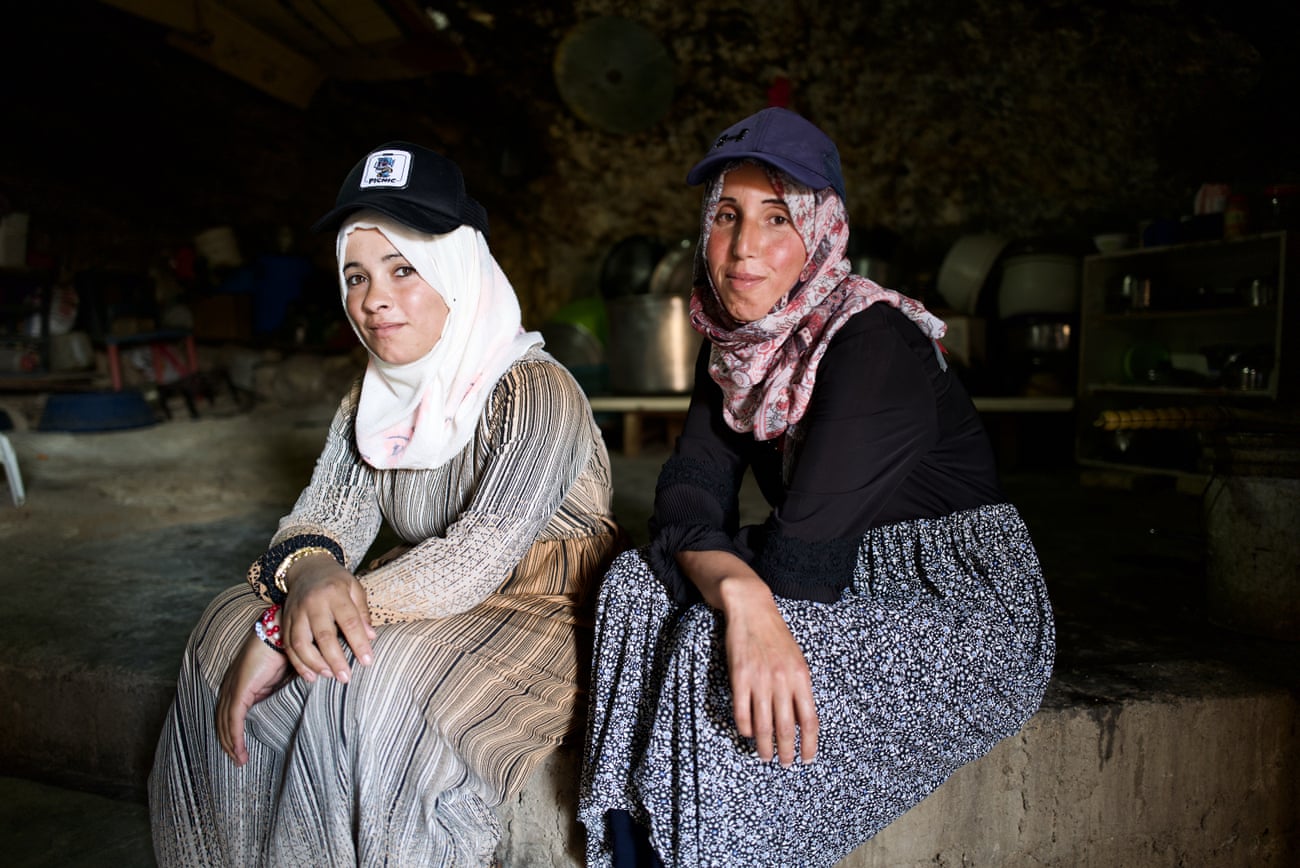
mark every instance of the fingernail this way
{"type": "Point", "coordinates": [342, 676]}
{"type": "Point", "coordinates": [366, 659]}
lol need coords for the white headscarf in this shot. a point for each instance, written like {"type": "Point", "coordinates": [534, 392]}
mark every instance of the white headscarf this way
{"type": "Point", "coordinates": [422, 413]}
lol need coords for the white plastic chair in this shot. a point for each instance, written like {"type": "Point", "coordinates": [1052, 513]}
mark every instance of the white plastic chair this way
{"type": "Point", "coordinates": [10, 461]}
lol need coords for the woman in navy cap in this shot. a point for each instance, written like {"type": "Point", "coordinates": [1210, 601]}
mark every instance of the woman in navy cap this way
{"type": "Point", "coordinates": [330, 715]}
{"type": "Point", "coordinates": [776, 694]}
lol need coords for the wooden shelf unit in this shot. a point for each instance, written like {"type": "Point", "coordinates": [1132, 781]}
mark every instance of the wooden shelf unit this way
{"type": "Point", "coordinates": [1171, 354]}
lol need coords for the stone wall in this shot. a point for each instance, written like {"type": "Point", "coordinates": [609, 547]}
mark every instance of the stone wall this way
{"type": "Point", "coordinates": [1016, 116]}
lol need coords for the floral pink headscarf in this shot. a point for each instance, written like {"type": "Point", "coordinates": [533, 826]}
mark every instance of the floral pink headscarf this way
{"type": "Point", "coordinates": [767, 368]}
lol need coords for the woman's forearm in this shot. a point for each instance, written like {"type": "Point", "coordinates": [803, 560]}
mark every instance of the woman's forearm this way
{"type": "Point", "coordinates": [727, 583]}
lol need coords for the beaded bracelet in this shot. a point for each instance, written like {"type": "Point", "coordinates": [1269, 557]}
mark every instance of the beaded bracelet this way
{"type": "Point", "coordinates": [267, 628]}
{"type": "Point", "coordinates": [262, 574]}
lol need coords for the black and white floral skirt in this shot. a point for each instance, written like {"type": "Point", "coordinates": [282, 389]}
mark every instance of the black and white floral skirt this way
{"type": "Point", "coordinates": [942, 647]}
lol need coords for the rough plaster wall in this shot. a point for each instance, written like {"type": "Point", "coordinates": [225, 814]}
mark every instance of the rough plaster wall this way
{"type": "Point", "coordinates": [1017, 116]}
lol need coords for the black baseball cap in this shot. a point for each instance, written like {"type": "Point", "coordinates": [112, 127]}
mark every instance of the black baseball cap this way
{"type": "Point", "coordinates": [413, 185]}
{"type": "Point", "coordinates": [779, 137]}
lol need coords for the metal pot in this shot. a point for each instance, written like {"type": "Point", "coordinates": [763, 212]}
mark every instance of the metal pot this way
{"type": "Point", "coordinates": [672, 274]}
{"type": "Point", "coordinates": [628, 266]}
{"type": "Point", "coordinates": [652, 347]}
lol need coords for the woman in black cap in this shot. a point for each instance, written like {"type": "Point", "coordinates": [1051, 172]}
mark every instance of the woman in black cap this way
{"type": "Point", "coordinates": [776, 694]}
{"type": "Point", "coordinates": [331, 716]}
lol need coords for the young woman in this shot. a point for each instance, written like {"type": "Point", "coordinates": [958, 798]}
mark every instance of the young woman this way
{"type": "Point", "coordinates": [327, 715]}
{"type": "Point", "coordinates": [777, 694]}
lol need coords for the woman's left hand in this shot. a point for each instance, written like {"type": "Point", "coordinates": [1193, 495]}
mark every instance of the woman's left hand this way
{"type": "Point", "coordinates": [324, 601]}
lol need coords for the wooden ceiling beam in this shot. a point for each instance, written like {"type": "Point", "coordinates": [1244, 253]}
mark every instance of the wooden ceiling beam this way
{"type": "Point", "coordinates": [212, 33]}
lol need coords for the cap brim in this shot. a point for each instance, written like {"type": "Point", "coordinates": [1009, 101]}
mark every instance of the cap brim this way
{"type": "Point", "coordinates": [420, 219]}
{"type": "Point", "coordinates": [711, 165]}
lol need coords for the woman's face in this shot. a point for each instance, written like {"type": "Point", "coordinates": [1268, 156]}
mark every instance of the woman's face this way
{"type": "Point", "coordinates": [754, 252]}
{"type": "Point", "coordinates": [399, 315]}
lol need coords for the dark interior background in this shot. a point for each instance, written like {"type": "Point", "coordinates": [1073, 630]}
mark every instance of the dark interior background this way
{"type": "Point", "coordinates": [1022, 117]}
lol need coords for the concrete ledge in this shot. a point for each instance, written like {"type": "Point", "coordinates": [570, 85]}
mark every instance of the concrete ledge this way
{"type": "Point", "coordinates": [540, 829]}
{"type": "Point", "coordinates": [87, 729]}
{"type": "Point", "coordinates": [1171, 780]}
{"type": "Point", "coordinates": [1173, 763]}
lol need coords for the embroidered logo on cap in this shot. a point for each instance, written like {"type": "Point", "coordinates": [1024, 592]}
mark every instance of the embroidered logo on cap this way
{"type": "Point", "coordinates": [387, 169]}
{"type": "Point", "coordinates": [724, 138]}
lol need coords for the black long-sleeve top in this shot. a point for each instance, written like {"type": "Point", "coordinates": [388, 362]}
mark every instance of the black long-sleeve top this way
{"type": "Point", "coordinates": [889, 435]}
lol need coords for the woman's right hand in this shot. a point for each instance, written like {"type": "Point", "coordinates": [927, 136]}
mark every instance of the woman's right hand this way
{"type": "Point", "coordinates": [324, 600]}
{"type": "Point", "coordinates": [254, 674]}
{"type": "Point", "coordinates": [771, 686]}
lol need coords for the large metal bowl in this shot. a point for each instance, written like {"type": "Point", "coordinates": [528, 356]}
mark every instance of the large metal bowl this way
{"type": "Point", "coordinates": [966, 269]}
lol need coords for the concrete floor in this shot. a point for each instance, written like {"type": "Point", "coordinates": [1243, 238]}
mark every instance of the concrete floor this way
{"type": "Point", "coordinates": [126, 535]}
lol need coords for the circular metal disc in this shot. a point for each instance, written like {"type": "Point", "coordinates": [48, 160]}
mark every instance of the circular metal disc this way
{"type": "Point", "coordinates": [614, 74]}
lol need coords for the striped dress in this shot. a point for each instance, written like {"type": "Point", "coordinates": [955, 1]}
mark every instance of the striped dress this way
{"type": "Point", "coordinates": [483, 630]}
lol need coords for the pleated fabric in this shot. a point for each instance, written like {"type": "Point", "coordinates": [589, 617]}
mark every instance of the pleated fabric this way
{"type": "Point", "coordinates": [484, 623]}
{"type": "Point", "coordinates": [942, 647]}
{"type": "Point", "coordinates": [403, 765]}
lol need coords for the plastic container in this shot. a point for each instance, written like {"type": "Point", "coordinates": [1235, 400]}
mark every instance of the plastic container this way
{"type": "Point", "coordinates": [219, 246]}
{"type": "Point", "coordinates": [96, 411]}
{"type": "Point", "coordinates": [71, 352]}
{"type": "Point", "coordinates": [19, 358]}
{"type": "Point", "coordinates": [1038, 283]}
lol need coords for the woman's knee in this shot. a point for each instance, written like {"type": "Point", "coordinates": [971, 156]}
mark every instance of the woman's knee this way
{"type": "Point", "coordinates": [631, 582]}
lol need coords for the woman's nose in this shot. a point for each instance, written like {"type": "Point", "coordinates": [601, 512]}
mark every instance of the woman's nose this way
{"type": "Point", "coordinates": [377, 298]}
{"type": "Point", "coordinates": [744, 240]}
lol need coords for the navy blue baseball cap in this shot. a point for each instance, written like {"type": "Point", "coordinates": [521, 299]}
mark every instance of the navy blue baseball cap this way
{"type": "Point", "coordinates": [783, 139]}
{"type": "Point", "coordinates": [411, 184]}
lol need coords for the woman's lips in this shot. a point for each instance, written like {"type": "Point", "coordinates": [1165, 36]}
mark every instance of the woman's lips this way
{"type": "Point", "coordinates": [742, 279]}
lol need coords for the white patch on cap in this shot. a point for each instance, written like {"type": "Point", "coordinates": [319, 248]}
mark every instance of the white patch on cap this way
{"type": "Point", "coordinates": [386, 169]}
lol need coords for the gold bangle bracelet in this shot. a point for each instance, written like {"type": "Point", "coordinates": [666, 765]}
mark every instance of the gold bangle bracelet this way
{"type": "Point", "coordinates": [298, 554]}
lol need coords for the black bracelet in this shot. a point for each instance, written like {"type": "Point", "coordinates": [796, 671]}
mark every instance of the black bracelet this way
{"type": "Point", "coordinates": [261, 575]}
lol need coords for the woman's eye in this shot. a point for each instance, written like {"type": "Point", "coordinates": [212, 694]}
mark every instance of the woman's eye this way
{"type": "Point", "coordinates": [724, 217]}
{"type": "Point", "coordinates": [352, 280]}
{"type": "Point", "coordinates": [403, 271]}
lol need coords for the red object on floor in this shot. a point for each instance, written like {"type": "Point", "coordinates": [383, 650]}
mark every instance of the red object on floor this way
{"type": "Point", "coordinates": [161, 352]}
